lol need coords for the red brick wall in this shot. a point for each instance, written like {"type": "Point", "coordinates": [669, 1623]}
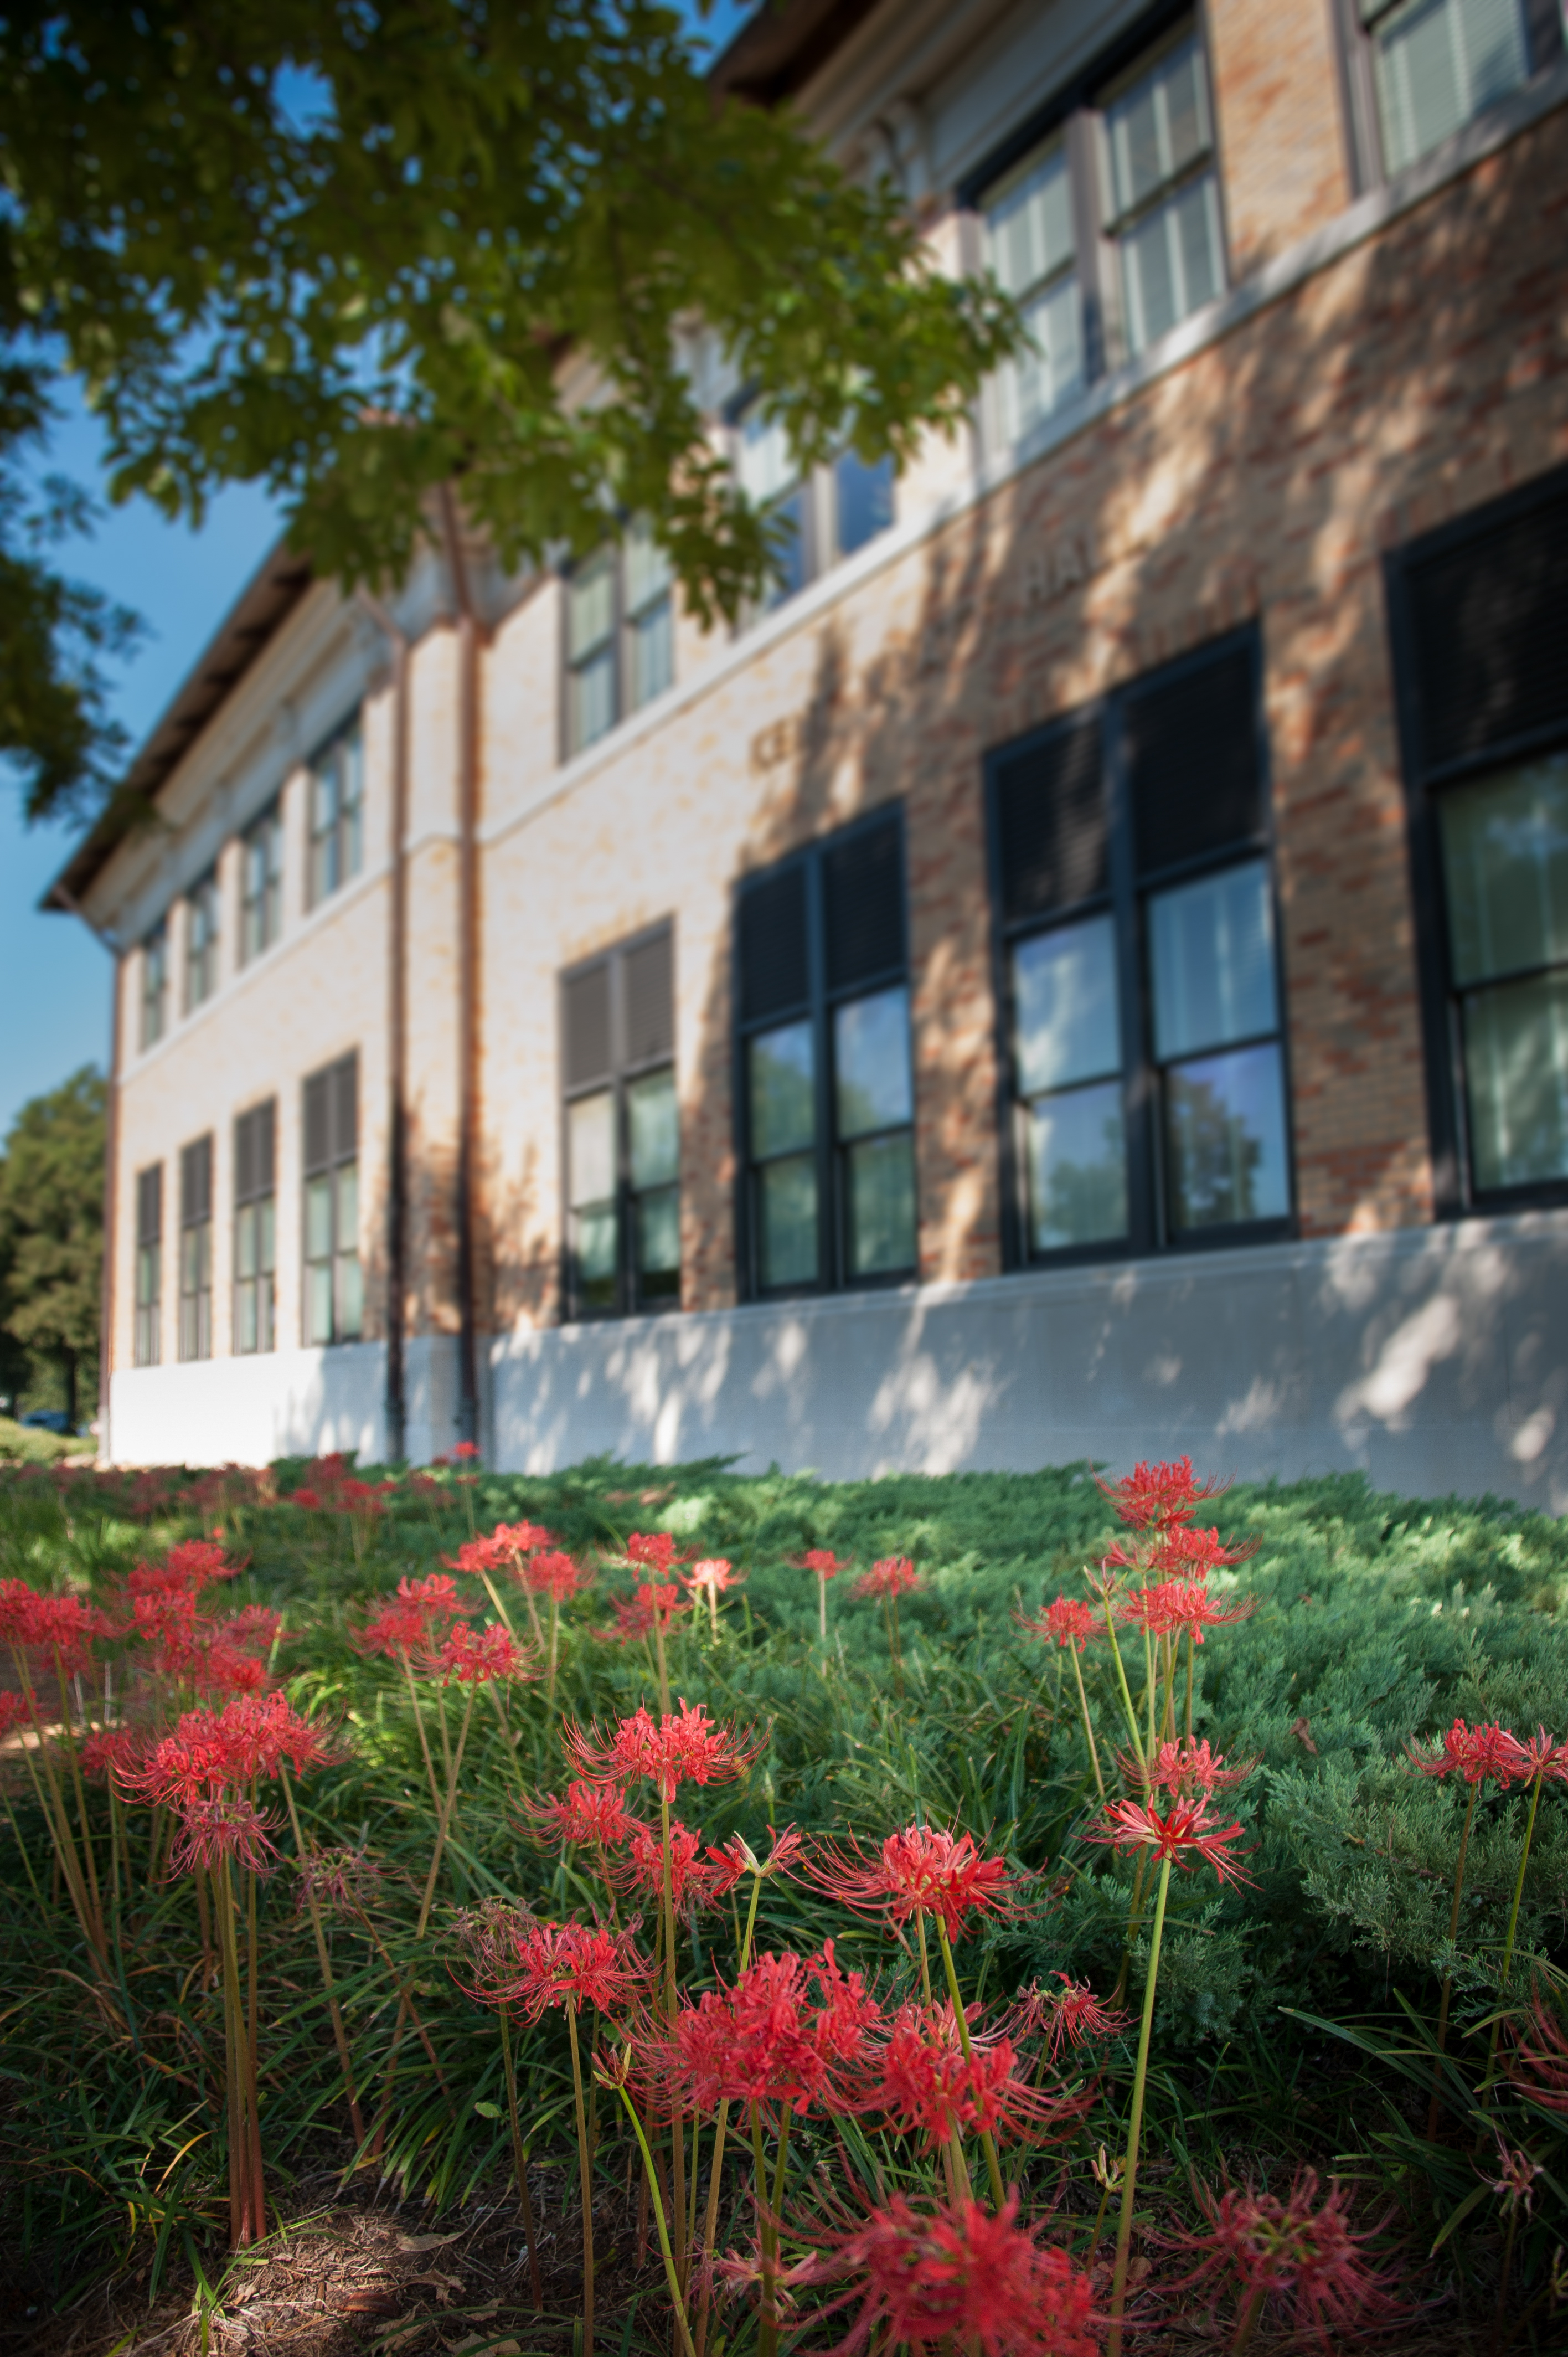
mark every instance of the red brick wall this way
{"type": "Point", "coordinates": [1283, 151]}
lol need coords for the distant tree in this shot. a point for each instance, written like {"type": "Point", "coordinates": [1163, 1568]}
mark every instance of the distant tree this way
{"type": "Point", "coordinates": [52, 1230]}
{"type": "Point", "coordinates": [358, 249]}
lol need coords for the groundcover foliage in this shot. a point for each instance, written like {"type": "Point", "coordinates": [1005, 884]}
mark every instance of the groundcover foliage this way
{"type": "Point", "coordinates": [1296, 2011]}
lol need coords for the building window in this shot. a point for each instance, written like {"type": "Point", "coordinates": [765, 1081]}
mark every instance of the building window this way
{"type": "Point", "coordinates": [1162, 193]}
{"type": "Point", "coordinates": [620, 636]}
{"type": "Point", "coordinates": [336, 814]}
{"type": "Point", "coordinates": [1031, 246]}
{"type": "Point", "coordinates": [622, 1124]}
{"type": "Point", "coordinates": [1146, 1101]}
{"type": "Point", "coordinates": [255, 1229]}
{"type": "Point", "coordinates": [1481, 618]}
{"type": "Point", "coordinates": [826, 1084]}
{"type": "Point", "coordinates": [147, 1347]}
{"type": "Point", "coordinates": [261, 884]}
{"type": "Point", "coordinates": [201, 942]}
{"type": "Point", "coordinates": [861, 500]}
{"type": "Point", "coordinates": [155, 984]}
{"type": "Point", "coordinates": [196, 1250]}
{"type": "Point", "coordinates": [334, 1287]}
{"type": "Point", "coordinates": [771, 481]}
{"type": "Point", "coordinates": [1436, 63]}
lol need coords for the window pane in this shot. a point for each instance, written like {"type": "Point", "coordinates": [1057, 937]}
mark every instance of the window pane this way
{"type": "Point", "coordinates": [1226, 1140]}
{"type": "Point", "coordinates": [246, 1318]}
{"type": "Point", "coordinates": [348, 1231]}
{"type": "Point", "coordinates": [1039, 381]}
{"type": "Point", "coordinates": [591, 1142]}
{"type": "Point", "coordinates": [590, 607]}
{"type": "Point", "coordinates": [1516, 1061]}
{"type": "Point", "coordinates": [245, 1241]}
{"type": "Point", "coordinates": [266, 1212]}
{"type": "Point", "coordinates": [647, 568]}
{"type": "Point", "coordinates": [789, 549]}
{"type": "Point", "coordinates": [593, 699]}
{"type": "Point", "coordinates": [767, 465]}
{"type": "Point", "coordinates": [351, 761]}
{"type": "Point", "coordinates": [1195, 220]}
{"type": "Point", "coordinates": [653, 1117]}
{"type": "Point", "coordinates": [1159, 126]}
{"type": "Point", "coordinates": [317, 1218]}
{"type": "Point", "coordinates": [652, 651]}
{"type": "Point", "coordinates": [350, 1297]}
{"type": "Point", "coordinates": [783, 1094]}
{"type": "Point", "coordinates": [1078, 1168]}
{"type": "Point", "coordinates": [882, 1206]}
{"type": "Point", "coordinates": [595, 1229]}
{"type": "Point", "coordinates": [1438, 63]}
{"type": "Point", "coordinates": [1066, 1007]}
{"type": "Point", "coordinates": [658, 1243]}
{"type": "Point", "coordinates": [1029, 229]}
{"type": "Point", "coordinates": [871, 1059]}
{"type": "Point", "coordinates": [1212, 953]}
{"type": "Point", "coordinates": [787, 1200]}
{"type": "Point", "coordinates": [865, 496]}
{"type": "Point", "coordinates": [318, 1302]}
{"type": "Point", "coordinates": [1505, 864]}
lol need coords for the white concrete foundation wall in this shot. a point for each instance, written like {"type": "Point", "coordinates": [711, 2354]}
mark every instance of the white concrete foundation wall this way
{"type": "Point", "coordinates": [1434, 1359]}
{"type": "Point", "coordinates": [283, 1404]}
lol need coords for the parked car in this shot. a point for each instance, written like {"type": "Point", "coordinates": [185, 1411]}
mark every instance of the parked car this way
{"type": "Point", "coordinates": [47, 1419]}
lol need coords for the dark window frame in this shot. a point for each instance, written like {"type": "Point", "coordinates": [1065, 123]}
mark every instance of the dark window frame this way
{"type": "Point", "coordinates": [147, 1338]}
{"type": "Point", "coordinates": [344, 837]}
{"type": "Point", "coordinates": [1355, 41]}
{"type": "Point", "coordinates": [1455, 1195]}
{"type": "Point", "coordinates": [622, 1071]}
{"type": "Point", "coordinates": [818, 1006]}
{"type": "Point", "coordinates": [330, 1165]}
{"type": "Point", "coordinates": [817, 492]}
{"type": "Point", "coordinates": [153, 997]}
{"type": "Point", "coordinates": [1125, 899]}
{"type": "Point", "coordinates": [255, 1186]}
{"type": "Point", "coordinates": [196, 1244]}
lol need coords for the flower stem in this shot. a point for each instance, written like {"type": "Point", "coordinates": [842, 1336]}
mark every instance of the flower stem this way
{"type": "Point", "coordinates": [520, 2165]}
{"type": "Point", "coordinates": [445, 1822]}
{"type": "Point", "coordinates": [1087, 1723]}
{"type": "Point", "coordinates": [1136, 2121]}
{"type": "Point", "coordinates": [987, 2142]}
{"type": "Point", "coordinates": [1121, 1683]}
{"type": "Point", "coordinates": [1435, 2105]}
{"type": "Point", "coordinates": [585, 2172]}
{"type": "Point", "coordinates": [769, 2337]}
{"type": "Point", "coordinates": [1248, 2318]}
{"type": "Point", "coordinates": [650, 2179]}
{"type": "Point", "coordinates": [677, 2124]}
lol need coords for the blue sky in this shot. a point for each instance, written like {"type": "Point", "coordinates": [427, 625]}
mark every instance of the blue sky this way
{"type": "Point", "coordinates": [54, 978]}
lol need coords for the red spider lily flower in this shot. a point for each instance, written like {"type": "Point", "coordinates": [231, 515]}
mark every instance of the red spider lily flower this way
{"type": "Point", "coordinates": [30, 1621]}
{"type": "Point", "coordinates": [477, 1656]}
{"type": "Point", "coordinates": [1477, 1753]}
{"type": "Point", "coordinates": [895, 1576]}
{"type": "Point", "coordinates": [1539, 1755]}
{"type": "Point", "coordinates": [1193, 1554]}
{"type": "Point", "coordinates": [1539, 2067]}
{"type": "Point", "coordinates": [395, 1630]}
{"type": "Point", "coordinates": [920, 1871]}
{"type": "Point", "coordinates": [517, 1539]}
{"type": "Point", "coordinates": [1159, 1497]}
{"type": "Point", "coordinates": [763, 2040]}
{"type": "Point", "coordinates": [310, 1499]}
{"type": "Point", "coordinates": [435, 1595]}
{"type": "Point", "coordinates": [1515, 2180]}
{"type": "Point", "coordinates": [463, 1449]}
{"type": "Point", "coordinates": [950, 2276]}
{"type": "Point", "coordinates": [1068, 1621]}
{"type": "Point", "coordinates": [590, 1813]}
{"type": "Point", "coordinates": [686, 1747]}
{"type": "Point", "coordinates": [214, 1829]}
{"type": "Point", "coordinates": [478, 1557]}
{"type": "Point", "coordinates": [1186, 1834]}
{"type": "Point", "coordinates": [738, 1854]}
{"type": "Point", "coordinates": [921, 2079]}
{"type": "Point", "coordinates": [655, 1550]}
{"type": "Point", "coordinates": [1184, 1768]}
{"type": "Point", "coordinates": [554, 1575]}
{"type": "Point", "coordinates": [1173, 1608]}
{"type": "Point", "coordinates": [209, 1751]}
{"type": "Point", "coordinates": [1070, 2015]}
{"type": "Point", "coordinates": [694, 1882]}
{"type": "Point", "coordinates": [822, 1561]}
{"type": "Point", "coordinates": [1298, 2251]}
{"type": "Point", "coordinates": [106, 1750]}
{"type": "Point", "coordinates": [654, 1605]}
{"type": "Point", "coordinates": [564, 1963]}
{"type": "Point", "coordinates": [195, 1562]}
{"type": "Point", "coordinates": [710, 1578]}
{"type": "Point", "coordinates": [13, 1711]}
{"type": "Point", "coordinates": [346, 1880]}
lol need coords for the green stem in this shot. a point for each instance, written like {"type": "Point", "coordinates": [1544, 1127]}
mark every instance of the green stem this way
{"type": "Point", "coordinates": [652, 2179]}
{"type": "Point", "coordinates": [340, 2034]}
{"type": "Point", "coordinates": [770, 2336]}
{"type": "Point", "coordinates": [1087, 1724]}
{"type": "Point", "coordinates": [677, 2122]}
{"type": "Point", "coordinates": [585, 2170]}
{"type": "Point", "coordinates": [1518, 1884]}
{"type": "Point", "coordinates": [1435, 2105]}
{"type": "Point", "coordinates": [424, 1738]}
{"type": "Point", "coordinates": [987, 2142]}
{"type": "Point", "coordinates": [1190, 1648]}
{"type": "Point", "coordinates": [1135, 2122]}
{"type": "Point", "coordinates": [1123, 1686]}
{"type": "Point", "coordinates": [445, 1821]}
{"type": "Point", "coordinates": [1248, 2317]}
{"type": "Point", "coordinates": [520, 2166]}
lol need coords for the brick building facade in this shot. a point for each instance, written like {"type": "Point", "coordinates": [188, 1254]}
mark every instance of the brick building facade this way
{"type": "Point", "coordinates": [1085, 971]}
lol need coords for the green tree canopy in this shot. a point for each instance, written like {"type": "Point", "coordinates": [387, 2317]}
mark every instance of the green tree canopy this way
{"type": "Point", "coordinates": [51, 1229]}
{"type": "Point", "coordinates": [353, 249]}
